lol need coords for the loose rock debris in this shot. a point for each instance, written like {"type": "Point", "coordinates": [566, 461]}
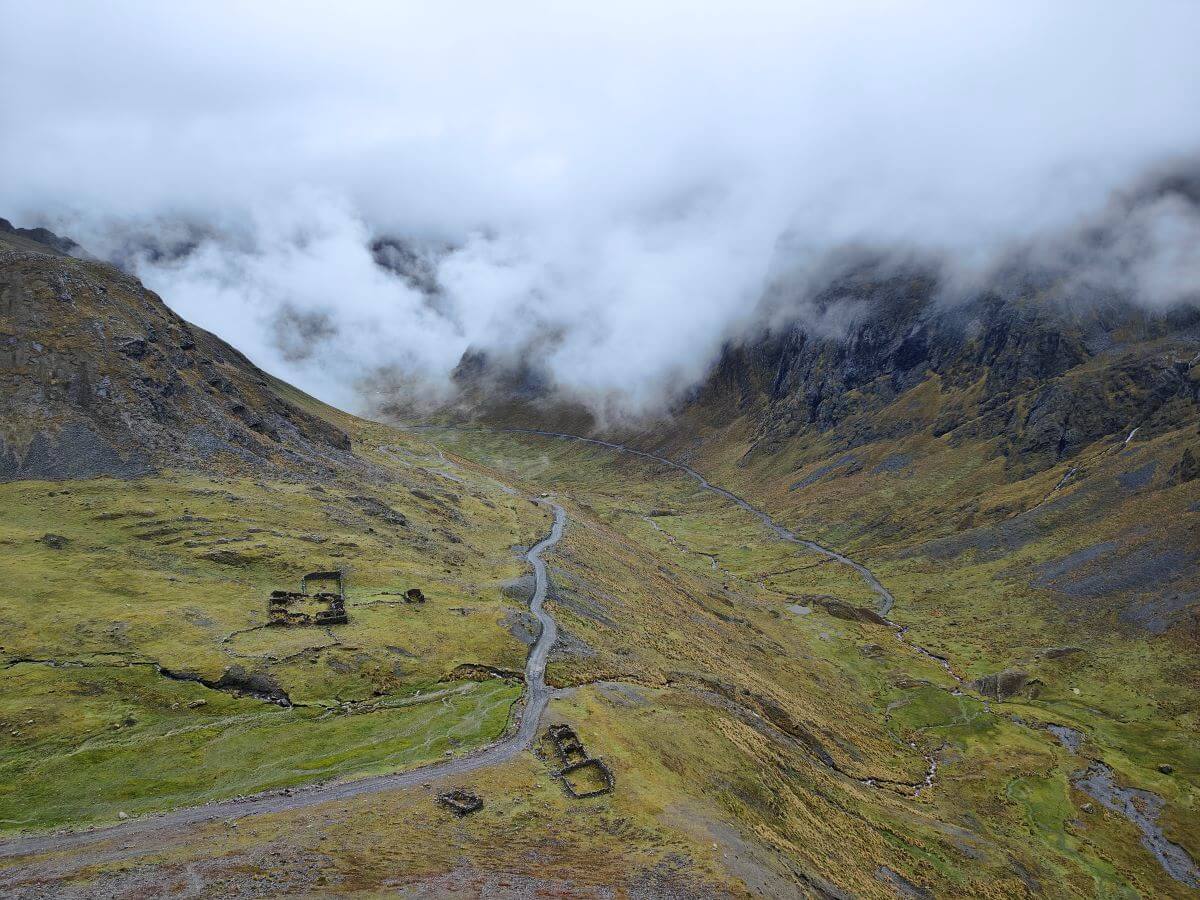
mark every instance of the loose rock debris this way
{"type": "Point", "coordinates": [582, 775]}
{"type": "Point", "coordinates": [412, 595]}
{"type": "Point", "coordinates": [461, 802]}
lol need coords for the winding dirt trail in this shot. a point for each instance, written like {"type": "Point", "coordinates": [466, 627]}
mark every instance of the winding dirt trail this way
{"type": "Point", "coordinates": [1140, 807]}
{"type": "Point", "coordinates": [1098, 780]}
{"type": "Point", "coordinates": [886, 600]}
{"type": "Point", "coordinates": [536, 696]}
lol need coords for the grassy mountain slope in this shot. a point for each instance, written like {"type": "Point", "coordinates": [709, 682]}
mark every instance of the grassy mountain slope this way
{"type": "Point", "coordinates": [100, 378]}
{"type": "Point", "coordinates": [1023, 478]}
{"type": "Point", "coordinates": [754, 629]}
{"type": "Point", "coordinates": [138, 671]}
{"type": "Point", "coordinates": [768, 737]}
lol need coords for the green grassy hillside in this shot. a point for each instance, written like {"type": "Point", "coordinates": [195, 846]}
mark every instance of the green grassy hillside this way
{"type": "Point", "coordinates": [128, 602]}
{"type": "Point", "coordinates": [1023, 724]}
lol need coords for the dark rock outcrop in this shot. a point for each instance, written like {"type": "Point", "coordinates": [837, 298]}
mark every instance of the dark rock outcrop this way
{"type": "Point", "coordinates": [43, 237]}
{"type": "Point", "coordinates": [254, 684]}
{"type": "Point", "coordinates": [1189, 466]}
{"type": "Point", "coordinates": [380, 510]}
{"type": "Point", "coordinates": [99, 377]}
{"type": "Point", "coordinates": [841, 610]}
{"type": "Point", "coordinates": [1007, 684]}
{"type": "Point", "coordinates": [1019, 375]}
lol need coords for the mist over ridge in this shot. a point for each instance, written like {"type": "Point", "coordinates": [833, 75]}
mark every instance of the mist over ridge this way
{"type": "Point", "coordinates": [626, 189]}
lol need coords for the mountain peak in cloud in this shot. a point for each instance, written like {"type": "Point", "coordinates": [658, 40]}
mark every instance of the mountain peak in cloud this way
{"type": "Point", "coordinates": [643, 184]}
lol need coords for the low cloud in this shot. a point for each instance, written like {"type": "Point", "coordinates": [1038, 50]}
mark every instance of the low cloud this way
{"type": "Point", "coordinates": [1144, 246]}
{"type": "Point", "coordinates": [356, 201]}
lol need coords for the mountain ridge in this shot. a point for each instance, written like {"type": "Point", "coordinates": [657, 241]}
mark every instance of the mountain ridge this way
{"type": "Point", "coordinates": [765, 729]}
{"type": "Point", "coordinates": [101, 377]}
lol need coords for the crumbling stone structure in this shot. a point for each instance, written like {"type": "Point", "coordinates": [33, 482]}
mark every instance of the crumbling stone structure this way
{"type": "Point", "coordinates": [461, 802]}
{"type": "Point", "coordinates": [414, 595]}
{"type": "Point", "coordinates": [334, 576]}
{"type": "Point", "coordinates": [582, 775]}
{"type": "Point", "coordinates": [567, 744]}
{"type": "Point", "coordinates": [589, 778]}
{"type": "Point", "coordinates": [293, 608]}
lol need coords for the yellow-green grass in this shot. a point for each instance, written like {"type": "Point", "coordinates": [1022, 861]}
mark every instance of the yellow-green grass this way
{"type": "Point", "coordinates": [732, 683]}
{"type": "Point", "coordinates": [862, 693]}
{"type": "Point", "coordinates": [146, 582]}
{"type": "Point", "coordinates": [93, 742]}
{"type": "Point", "coordinates": [701, 795]}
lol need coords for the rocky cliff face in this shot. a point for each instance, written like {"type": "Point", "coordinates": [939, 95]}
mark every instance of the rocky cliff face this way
{"type": "Point", "coordinates": [99, 377]}
{"type": "Point", "coordinates": [1035, 380]}
{"type": "Point", "coordinates": [40, 240]}
{"type": "Point", "coordinates": [1043, 449]}
{"type": "Point", "coordinates": [1029, 379]}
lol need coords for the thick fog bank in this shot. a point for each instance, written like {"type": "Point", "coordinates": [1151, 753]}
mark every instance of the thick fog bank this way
{"type": "Point", "coordinates": [357, 200]}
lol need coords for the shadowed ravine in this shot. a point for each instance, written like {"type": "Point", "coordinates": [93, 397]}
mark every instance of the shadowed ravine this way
{"type": "Point", "coordinates": [536, 696]}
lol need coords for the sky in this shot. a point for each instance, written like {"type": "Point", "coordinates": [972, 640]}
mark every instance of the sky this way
{"type": "Point", "coordinates": [609, 188]}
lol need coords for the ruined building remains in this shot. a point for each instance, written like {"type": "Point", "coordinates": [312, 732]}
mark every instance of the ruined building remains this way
{"type": "Point", "coordinates": [323, 607]}
{"type": "Point", "coordinates": [460, 802]}
{"type": "Point", "coordinates": [581, 775]}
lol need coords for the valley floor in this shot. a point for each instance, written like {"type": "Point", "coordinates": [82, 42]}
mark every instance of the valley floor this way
{"type": "Point", "coordinates": [771, 734]}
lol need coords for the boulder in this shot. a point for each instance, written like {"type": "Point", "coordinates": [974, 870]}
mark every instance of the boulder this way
{"type": "Point", "coordinates": [840, 610]}
{"type": "Point", "coordinates": [1007, 684]}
